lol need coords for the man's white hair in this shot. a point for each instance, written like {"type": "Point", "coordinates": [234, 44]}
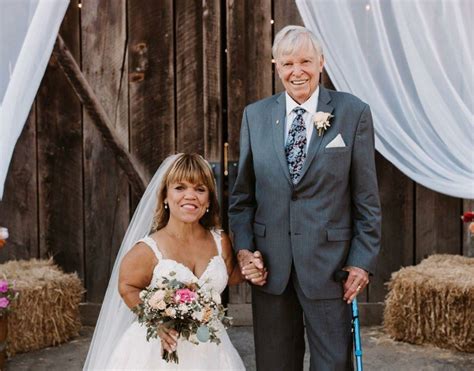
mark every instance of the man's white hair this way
{"type": "Point", "coordinates": [291, 38]}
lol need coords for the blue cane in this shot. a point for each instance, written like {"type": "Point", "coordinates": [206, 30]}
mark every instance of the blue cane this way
{"type": "Point", "coordinates": [339, 277]}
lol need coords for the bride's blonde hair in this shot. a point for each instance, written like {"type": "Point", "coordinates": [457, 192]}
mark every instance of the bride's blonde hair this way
{"type": "Point", "coordinates": [194, 169]}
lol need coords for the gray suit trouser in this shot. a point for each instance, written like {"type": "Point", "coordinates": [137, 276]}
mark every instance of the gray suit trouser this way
{"type": "Point", "coordinates": [279, 330]}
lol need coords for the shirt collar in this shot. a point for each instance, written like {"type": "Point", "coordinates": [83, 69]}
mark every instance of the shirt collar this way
{"type": "Point", "coordinates": [310, 105]}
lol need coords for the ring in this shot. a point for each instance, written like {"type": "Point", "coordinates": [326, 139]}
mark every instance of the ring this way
{"type": "Point", "coordinates": [358, 288]}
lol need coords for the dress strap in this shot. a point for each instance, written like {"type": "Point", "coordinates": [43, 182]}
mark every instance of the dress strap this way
{"type": "Point", "coordinates": [217, 234]}
{"type": "Point", "coordinates": [152, 244]}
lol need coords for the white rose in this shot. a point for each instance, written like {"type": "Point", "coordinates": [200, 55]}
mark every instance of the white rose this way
{"type": "Point", "coordinates": [198, 315]}
{"type": "Point", "coordinates": [321, 116]}
{"type": "Point", "coordinates": [161, 305]}
{"type": "Point", "coordinates": [159, 295]}
{"type": "Point", "coordinates": [170, 312]}
{"type": "Point", "coordinates": [183, 308]}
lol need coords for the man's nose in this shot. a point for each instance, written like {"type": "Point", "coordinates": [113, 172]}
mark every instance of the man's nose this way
{"type": "Point", "coordinates": [297, 70]}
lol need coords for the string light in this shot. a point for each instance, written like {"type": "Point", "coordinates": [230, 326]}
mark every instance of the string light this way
{"type": "Point", "coordinates": [367, 7]}
{"type": "Point", "coordinates": [272, 21]}
{"type": "Point", "coordinates": [79, 5]}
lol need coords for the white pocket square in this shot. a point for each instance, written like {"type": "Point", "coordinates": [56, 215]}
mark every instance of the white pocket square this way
{"type": "Point", "coordinates": [336, 142]}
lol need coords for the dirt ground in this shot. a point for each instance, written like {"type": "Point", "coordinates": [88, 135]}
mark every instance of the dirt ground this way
{"type": "Point", "coordinates": [379, 353]}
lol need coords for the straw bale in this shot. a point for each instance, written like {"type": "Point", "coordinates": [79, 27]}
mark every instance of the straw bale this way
{"type": "Point", "coordinates": [433, 302]}
{"type": "Point", "coordinates": [46, 312]}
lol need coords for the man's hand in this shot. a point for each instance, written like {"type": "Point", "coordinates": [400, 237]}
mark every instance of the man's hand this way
{"type": "Point", "coordinates": [355, 283]}
{"type": "Point", "coordinates": [252, 267]}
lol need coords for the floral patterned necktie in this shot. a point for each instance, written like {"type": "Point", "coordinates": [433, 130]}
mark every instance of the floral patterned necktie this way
{"type": "Point", "coordinates": [295, 148]}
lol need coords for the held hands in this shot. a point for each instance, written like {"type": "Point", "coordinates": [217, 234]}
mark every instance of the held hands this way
{"type": "Point", "coordinates": [355, 283]}
{"type": "Point", "coordinates": [252, 267]}
{"type": "Point", "coordinates": [169, 338]}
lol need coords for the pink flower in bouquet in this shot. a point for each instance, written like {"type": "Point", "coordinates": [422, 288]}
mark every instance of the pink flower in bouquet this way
{"type": "Point", "coordinates": [184, 296]}
{"type": "Point", "coordinates": [3, 286]}
{"type": "Point", "coordinates": [4, 302]}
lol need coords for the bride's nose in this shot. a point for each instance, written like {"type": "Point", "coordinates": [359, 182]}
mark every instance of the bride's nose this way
{"type": "Point", "coordinates": [190, 195]}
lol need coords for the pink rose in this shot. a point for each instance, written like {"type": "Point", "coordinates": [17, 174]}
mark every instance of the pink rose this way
{"type": "Point", "coordinates": [184, 296]}
{"type": "Point", "coordinates": [3, 286]}
{"type": "Point", "coordinates": [4, 302]}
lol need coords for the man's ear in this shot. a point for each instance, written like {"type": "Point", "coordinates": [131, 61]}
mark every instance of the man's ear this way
{"type": "Point", "coordinates": [277, 65]}
{"type": "Point", "coordinates": [321, 63]}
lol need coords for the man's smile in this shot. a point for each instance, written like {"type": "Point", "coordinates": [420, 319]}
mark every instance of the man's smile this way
{"type": "Point", "coordinates": [299, 82]}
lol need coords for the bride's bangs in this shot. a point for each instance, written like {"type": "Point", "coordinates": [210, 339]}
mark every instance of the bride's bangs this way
{"type": "Point", "coordinates": [192, 169]}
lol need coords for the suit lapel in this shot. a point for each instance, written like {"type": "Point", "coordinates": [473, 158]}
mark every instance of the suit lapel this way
{"type": "Point", "coordinates": [278, 130]}
{"type": "Point", "coordinates": [315, 142]}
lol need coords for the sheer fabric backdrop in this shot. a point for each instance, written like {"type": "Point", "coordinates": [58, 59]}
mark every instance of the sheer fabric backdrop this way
{"type": "Point", "coordinates": [28, 30]}
{"type": "Point", "coordinates": [412, 61]}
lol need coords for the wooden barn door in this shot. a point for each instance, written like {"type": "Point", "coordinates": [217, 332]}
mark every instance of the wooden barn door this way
{"type": "Point", "coordinates": [173, 76]}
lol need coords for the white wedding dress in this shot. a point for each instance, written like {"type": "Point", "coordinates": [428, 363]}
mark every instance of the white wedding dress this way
{"type": "Point", "coordinates": [134, 352]}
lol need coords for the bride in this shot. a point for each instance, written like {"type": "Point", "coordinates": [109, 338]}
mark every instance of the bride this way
{"type": "Point", "coordinates": [175, 227]}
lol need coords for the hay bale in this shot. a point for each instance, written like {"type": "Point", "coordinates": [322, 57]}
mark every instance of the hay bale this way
{"type": "Point", "coordinates": [46, 312]}
{"type": "Point", "coordinates": [433, 302]}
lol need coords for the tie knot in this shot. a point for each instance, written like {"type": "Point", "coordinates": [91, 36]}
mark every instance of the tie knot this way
{"type": "Point", "coordinates": [299, 111]}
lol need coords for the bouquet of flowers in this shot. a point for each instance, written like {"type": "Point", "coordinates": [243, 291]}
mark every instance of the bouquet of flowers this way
{"type": "Point", "coordinates": [7, 295]}
{"type": "Point", "coordinates": [193, 312]}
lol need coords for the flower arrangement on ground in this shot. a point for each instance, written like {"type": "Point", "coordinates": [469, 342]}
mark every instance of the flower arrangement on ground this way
{"type": "Point", "coordinates": [187, 308]}
{"type": "Point", "coordinates": [7, 295]}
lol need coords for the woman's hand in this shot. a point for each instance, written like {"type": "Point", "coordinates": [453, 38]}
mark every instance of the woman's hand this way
{"type": "Point", "coordinates": [169, 338]}
{"type": "Point", "coordinates": [254, 270]}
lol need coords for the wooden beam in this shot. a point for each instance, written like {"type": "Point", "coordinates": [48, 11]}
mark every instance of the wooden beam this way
{"type": "Point", "coordinates": [136, 175]}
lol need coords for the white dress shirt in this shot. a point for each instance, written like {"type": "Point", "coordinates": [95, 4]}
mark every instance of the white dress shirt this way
{"type": "Point", "coordinates": [311, 107]}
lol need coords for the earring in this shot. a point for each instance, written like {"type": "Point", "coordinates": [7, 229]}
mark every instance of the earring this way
{"type": "Point", "coordinates": [207, 210]}
{"type": "Point", "coordinates": [166, 205]}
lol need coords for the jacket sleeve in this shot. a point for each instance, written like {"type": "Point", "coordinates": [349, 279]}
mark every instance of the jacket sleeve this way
{"type": "Point", "coordinates": [242, 201]}
{"type": "Point", "coordinates": [366, 213]}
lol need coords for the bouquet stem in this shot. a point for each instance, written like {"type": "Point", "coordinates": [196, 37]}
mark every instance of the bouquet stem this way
{"type": "Point", "coordinates": [170, 356]}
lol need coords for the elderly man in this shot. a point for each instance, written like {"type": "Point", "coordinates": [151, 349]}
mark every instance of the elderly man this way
{"type": "Point", "coordinates": [306, 196]}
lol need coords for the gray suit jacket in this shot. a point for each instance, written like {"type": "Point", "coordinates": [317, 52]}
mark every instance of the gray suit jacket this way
{"type": "Point", "coordinates": [330, 219]}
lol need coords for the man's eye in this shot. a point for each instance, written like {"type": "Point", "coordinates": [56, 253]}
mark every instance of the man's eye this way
{"type": "Point", "coordinates": [179, 187]}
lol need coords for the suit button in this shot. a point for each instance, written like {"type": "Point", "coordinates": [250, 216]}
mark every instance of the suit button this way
{"type": "Point", "coordinates": [294, 197]}
{"type": "Point", "coordinates": [289, 233]}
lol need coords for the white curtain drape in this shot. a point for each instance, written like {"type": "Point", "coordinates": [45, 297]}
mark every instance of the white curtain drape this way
{"type": "Point", "coordinates": [412, 61]}
{"type": "Point", "coordinates": [28, 30]}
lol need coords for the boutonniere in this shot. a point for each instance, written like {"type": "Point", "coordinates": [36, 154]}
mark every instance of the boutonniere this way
{"type": "Point", "coordinates": [321, 121]}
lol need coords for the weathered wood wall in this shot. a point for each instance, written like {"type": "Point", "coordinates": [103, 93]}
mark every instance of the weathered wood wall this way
{"type": "Point", "coordinates": [172, 76]}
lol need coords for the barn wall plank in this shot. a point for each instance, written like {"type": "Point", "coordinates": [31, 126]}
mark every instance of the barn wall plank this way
{"type": "Point", "coordinates": [61, 222]}
{"type": "Point", "coordinates": [249, 76]}
{"type": "Point", "coordinates": [106, 191]}
{"type": "Point", "coordinates": [19, 206]}
{"type": "Point", "coordinates": [151, 81]}
{"type": "Point", "coordinates": [438, 228]}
